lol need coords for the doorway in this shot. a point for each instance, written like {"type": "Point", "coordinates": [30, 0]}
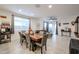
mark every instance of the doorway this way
{"type": "Point", "coordinates": [51, 27]}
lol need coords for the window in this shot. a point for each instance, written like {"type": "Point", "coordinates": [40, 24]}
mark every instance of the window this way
{"type": "Point", "coordinates": [21, 24]}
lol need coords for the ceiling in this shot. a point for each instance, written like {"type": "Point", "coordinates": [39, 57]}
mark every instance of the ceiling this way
{"type": "Point", "coordinates": [42, 10]}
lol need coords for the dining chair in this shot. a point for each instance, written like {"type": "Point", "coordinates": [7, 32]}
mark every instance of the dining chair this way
{"type": "Point", "coordinates": [43, 43]}
{"type": "Point", "coordinates": [22, 38]}
{"type": "Point", "coordinates": [29, 41]}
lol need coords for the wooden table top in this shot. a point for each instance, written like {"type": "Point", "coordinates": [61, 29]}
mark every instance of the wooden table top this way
{"type": "Point", "coordinates": [36, 37]}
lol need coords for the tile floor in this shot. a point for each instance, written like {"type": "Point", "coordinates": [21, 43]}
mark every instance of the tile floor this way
{"type": "Point", "coordinates": [55, 45]}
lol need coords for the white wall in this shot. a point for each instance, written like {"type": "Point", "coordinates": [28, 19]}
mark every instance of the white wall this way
{"type": "Point", "coordinates": [66, 19]}
{"type": "Point", "coordinates": [62, 19]}
{"type": "Point", "coordinates": [35, 24]}
{"type": "Point", "coordinates": [7, 14]}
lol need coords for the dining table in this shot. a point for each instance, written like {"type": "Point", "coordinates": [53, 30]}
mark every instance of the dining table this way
{"type": "Point", "coordinates": [34, 38]}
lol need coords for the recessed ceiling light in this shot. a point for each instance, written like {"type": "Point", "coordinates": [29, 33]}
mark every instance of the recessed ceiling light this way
{"type": "Point", "coordinates": [50, 6]}
{"type": "Point", "coordinates": [20, 10]}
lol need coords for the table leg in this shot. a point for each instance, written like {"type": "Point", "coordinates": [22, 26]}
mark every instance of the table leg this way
{"type": "Point", "coordinates": [70, 34]}
{"type": "Point", "coordinates": [61, 33]}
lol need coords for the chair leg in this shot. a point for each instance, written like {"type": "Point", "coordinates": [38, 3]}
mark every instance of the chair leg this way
{"type": "Point", "coordinates": [33, 47]}
{"type": "Point", "coordinates": [26, 43]}
{"type": "Point", "coordinates": [21, 41]}
{"type": "Point", "coordinates": [45, 47]}
{"type": "Point", "coordinates": [41, 50]}
{"type": "Point", "coordinates": [30, 47]}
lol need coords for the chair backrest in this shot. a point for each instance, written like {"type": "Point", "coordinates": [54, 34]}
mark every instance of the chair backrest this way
{"type": "Point", "coordinates": [44, 39]}
{"type": "Point", "coordinates": [27, 37]}
{"type": "Point", "coordinates": [21, 35]}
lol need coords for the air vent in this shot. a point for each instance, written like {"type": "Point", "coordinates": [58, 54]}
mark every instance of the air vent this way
{"type": "Point", "coordinates": [37, 5]}
{"type": "Point", "coordinates": [52, 18]}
